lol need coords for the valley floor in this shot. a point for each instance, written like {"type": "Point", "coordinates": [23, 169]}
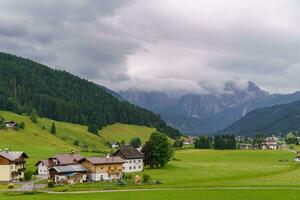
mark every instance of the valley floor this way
{"type": "Point", "coordinates": [181, 194]}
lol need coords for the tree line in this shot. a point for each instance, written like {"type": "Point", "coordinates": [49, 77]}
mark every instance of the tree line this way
{"type": "Point", "coordinates": [26, 86]}
{"type": "Point", "coordinates": [217, 142]}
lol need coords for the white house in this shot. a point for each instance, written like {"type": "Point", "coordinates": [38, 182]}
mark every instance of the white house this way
{"type": "Point", "coordinates": [271, 142]}
{"type": "Point", "coordinates": [133, 159]}
{"type": "Point", "coordinates": [10, 124]}
{"type": "Point", "coordinates": [43, 167]}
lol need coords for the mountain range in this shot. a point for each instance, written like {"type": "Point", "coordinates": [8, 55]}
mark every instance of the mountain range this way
{"type": "Point", "coordinates": [207, 113]}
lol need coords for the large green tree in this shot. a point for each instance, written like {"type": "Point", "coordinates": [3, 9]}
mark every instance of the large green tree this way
{"type": "Point", "coordinates": [158, 150]}
{"type": "Point", "coordinates": [135, 142]}
{"type": "Point", "coordinates": [202, 143]}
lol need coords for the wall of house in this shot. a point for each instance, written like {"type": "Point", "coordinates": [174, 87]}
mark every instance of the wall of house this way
{"type": "Point", "coordinates": [133, 165]}
{"type": "Point", "coordinates": [42, 169]}
{"type": "Point", "coordinates": [104, 172]}
{"type": "Point", "coordinates": [4, 173]}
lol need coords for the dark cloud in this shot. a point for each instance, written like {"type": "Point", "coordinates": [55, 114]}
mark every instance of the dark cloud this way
{"type": "Point", "coordinates": [170, 45]}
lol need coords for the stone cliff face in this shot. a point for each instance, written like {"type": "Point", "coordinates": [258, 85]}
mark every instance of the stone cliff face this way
{"type": "Point", "coordinates": [197, 114]}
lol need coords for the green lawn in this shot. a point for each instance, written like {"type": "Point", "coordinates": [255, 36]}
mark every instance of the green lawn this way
{"type": "Point", "coordinates": [118, 132]}
{"type": "Point", "coordinates": [168, 195]}
{"type": "Point", "coordinates": [38, 143]}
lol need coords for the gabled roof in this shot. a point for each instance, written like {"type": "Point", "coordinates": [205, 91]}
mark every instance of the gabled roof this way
{"type": "Point", "coordinates": [12, 155]}
{"type": "Point", "coordinates": [66, 159]}
{"type": "Point", "coordinates": [46, 162]}
{"type": "Point", "coordinates": [129, 153]}
{"type": "Point", "coordinates": [69, 168]}
{"type": "Point", "coordinates": [105, 160]}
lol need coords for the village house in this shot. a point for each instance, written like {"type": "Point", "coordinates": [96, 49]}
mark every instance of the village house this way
{"type": "Point", "coordinates": [133, 159]}
{"type": "Point", "coordinates": [43, 166]}
{"type": "Point", "coordinates": [115, 145]}
{"type": "Point", "coordinates": [271, 143]}
{"type": "Point", "coordinates": [10, 124]}
{"type": "Point", "coordinates": [68, 174]}
{"type": "Point", "coordinates": [12, 166]}
{"type": "Point", "coordinates": [104, 168]}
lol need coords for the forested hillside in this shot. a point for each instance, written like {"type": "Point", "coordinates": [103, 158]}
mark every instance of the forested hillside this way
{"type": "Point", "coordinates": [26, 85]}
{"type": "Point", "coordinates": [278, 119]}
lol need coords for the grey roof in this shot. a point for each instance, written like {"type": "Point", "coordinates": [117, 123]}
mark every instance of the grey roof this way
{"type": "Point", "coordinates": [69, 168]}
{"type": "Point", "coordinates": [12, 155]}
{"type": "Point", "coordinates": [68, 158]}
{"type": "Point", "coordinates": [46, 162]}
{"type": "Point", "coordinates": [105, 160]}
{"type": "Point", "coordinates": [129, 153]}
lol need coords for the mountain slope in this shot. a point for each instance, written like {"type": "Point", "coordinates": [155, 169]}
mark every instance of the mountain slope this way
{"type": "Point", "coordinates": [196, 113]}
{"type": "Point", "coordinates": [202, 114]}
{"type": "Point", "coordinates": [278, 119]}
{"type": "Point", "coordinates": [59, 95]}
{"type": "Point", "coordinates": [38, 143]}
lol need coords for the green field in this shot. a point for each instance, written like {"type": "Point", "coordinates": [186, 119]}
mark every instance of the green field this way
{"type": "Point", "coordinates": [198, 174]}
{"type": "Point", "coordinates": [38, 143]}
{"type": "Point", "coordinates": [169, 195]}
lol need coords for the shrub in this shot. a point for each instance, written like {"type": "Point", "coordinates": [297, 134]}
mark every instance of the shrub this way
{"type": "Point", "coordinates": [11, 186]}
{"type": "Point", "coordinates": [146, 178]}
{"type": "Point", "coordinates": [76, 142]}
{"type": "Point", "coordinates": [22, 125]}
{"type": "Point", "coordinates": [28, 175]}
{"type": "Point", "coordinates": [50, 184]}
{"type": "Point", "coordinates": [127, 176]}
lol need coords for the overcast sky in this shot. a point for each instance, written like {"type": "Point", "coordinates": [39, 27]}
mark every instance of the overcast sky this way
{"type": "Point", "coordinates": [170, 45]}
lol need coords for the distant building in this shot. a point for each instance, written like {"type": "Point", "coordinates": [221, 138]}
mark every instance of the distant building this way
{"type": "Point", "coordinates": [10, 124]}
{"type": "Point", "coordinates": [115, 145]}
{"type": "Point", "coordinates": [68, 174]}
{"type": "Point", "coordinates": [12, 165]}
{"type": "Point", "coordinates": [133, 159]}
{"type": "Point", "coordinates": [104, 168]}
{"type": "Point", "coordinates": [271, 143]}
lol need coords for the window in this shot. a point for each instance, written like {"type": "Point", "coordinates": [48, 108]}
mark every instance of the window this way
{"type": "Point", "coordinates": [130, 161]}
{"type": "Point", "coordinates": [130, 167]}
{"type": "Point", "coordinates": [134, 167]}
{"type": "Point", "coordinates": [140, 167]}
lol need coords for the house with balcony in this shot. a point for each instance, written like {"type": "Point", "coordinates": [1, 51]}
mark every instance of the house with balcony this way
{"type": "Point", "coordinates": [133, 159]}
{"type": "Point", "coordinates": [103, 168]}
{"type": "Point", "coordinates": [12, 166]}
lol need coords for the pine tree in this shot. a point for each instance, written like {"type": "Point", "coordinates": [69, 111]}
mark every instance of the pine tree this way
{"type": "Point", "coordinates": [34, 116]}
{"type": "Point", "coordinates": [53, 129]}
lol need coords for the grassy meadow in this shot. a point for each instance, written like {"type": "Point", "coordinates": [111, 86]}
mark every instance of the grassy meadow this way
{"type": "Point", "coordinates": [204, 194]}
{"type": "Point", "coordinates": [199, 174]}
{"type": "Point", "coordinates": [37, 141]}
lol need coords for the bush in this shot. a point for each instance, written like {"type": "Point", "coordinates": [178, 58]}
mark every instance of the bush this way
{"type": "Point", "coordinates": [22, 125]}
{"type": "Point", "coordinates": [50, 184]}
{"type": "Point", "coordinates": [120, 182]}
{"type": "Point", "coordinates": [76, 142]}
{"type": "Point", "coordinates": [127, 176]}
{"type": "Point", "coordinates": [11, 186]}
{"type": "Point", "coordinates": [146, 178]}
{"type": "Point", "coordinates": [28, 175]}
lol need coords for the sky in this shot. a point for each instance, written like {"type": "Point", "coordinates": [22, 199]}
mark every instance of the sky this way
{"type": "Point", "coordinates": [187, 46]}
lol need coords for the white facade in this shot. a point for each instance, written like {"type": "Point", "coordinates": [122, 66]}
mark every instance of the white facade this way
{"type": "Point", "coordinates": [133, 165]}
{"type": "Point", "coordinates": [62, 178]}
{"type": "Point", "coordinates": [103, 176]}
{"type": "Point", "coordinates": [43, 169]}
